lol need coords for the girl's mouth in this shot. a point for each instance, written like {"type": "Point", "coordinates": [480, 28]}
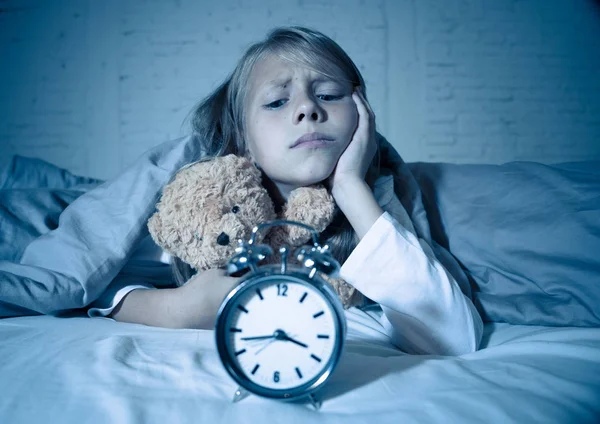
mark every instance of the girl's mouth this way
{"type": "Point", "coordinates": [314, 143]}
{"type": "Point", "coordinates": [313, 140]}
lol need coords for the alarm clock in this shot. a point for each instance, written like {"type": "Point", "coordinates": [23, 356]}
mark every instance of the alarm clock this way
{"type": "Point", "coordinates": [281, 331]}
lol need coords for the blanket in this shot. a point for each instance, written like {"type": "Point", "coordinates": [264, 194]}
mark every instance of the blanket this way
{"type": "Point", "coordinates": [69, 266]}
{"type": "Point", "coordinates": [519, 238]}
{"type": "Point", "coordinates": [71, 262]}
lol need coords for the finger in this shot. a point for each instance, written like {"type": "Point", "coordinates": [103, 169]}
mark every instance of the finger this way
{"type": "Point", "coordinates": [366, 103]}
{"type": "Point", "coordinates": [364, 119]}
{"type": "Point", "coordinates": [361, 106]}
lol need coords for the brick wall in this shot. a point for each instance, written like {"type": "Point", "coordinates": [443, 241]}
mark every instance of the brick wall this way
{"type": "Point", "coordinates": [90, 85]}
{"type": "Point", "coordinates": [501, 80]}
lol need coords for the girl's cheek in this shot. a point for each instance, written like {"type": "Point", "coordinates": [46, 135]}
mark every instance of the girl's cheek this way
{"type": "Point", "coordinates": [349, 109]}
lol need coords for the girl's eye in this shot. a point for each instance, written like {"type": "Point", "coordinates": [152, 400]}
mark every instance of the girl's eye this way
{"type": "Point", "coordinates": [328, 97]}
{"type": "Point", "coordinates": [276, 104]}
{"type": "Point", "coordinates": [235, 209]}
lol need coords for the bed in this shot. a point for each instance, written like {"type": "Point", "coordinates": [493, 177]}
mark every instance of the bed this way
{"type": "Point", "coordinates": [527, 235]}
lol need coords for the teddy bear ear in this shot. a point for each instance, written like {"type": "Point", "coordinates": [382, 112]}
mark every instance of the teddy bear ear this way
{"type": "Point", "coordinates": [245, 164]}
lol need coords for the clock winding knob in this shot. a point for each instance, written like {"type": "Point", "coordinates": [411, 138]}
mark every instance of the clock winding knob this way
{"type": "Point", "coordinates": [247, 255]}
{"type": "Point", "coordinates": [318, 258]}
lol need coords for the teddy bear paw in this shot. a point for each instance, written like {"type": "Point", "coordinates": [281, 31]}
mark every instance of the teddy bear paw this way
{"type": "Point", "coordinates": [313, 206]}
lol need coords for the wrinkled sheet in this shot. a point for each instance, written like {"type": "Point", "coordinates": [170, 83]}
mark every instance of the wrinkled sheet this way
{"type": "Point", "coordinates": [95, 370]}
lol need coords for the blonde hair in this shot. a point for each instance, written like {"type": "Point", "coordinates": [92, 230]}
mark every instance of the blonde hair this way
{"type": "Point", "coordinates": [219, 120]}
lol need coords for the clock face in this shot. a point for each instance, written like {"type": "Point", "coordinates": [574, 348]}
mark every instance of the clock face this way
{"type": "Point", "coordinates": [281, 333]}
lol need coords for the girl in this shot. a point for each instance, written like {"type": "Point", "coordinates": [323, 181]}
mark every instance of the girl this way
{"type": "Point", "coordinates": [296, 105]}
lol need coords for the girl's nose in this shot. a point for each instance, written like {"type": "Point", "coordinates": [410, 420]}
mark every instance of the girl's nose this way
{"type": "Point", "coordinates": [308, 109]}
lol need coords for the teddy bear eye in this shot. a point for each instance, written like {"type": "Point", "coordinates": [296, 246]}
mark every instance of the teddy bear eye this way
{"type": "Point", "coordinates": [235, 209]}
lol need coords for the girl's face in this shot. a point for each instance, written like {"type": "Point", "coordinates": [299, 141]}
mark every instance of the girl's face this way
{"type": "Point", "coordinates": [287, 102]}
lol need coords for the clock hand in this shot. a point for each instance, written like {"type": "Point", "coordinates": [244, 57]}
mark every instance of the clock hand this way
{"type": "Point", "coordinates": [289, 339]}
{"type": "Point", "coordinates": [282, 335]}
{"type": "Point", "coordinates": [259, 337]}
{"type": "Point", "coordinates": [265, 345]}
{"type": "Point", "coordinates": [277, 334]}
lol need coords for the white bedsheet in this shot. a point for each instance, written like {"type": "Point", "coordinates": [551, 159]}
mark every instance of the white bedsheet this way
{"type": "Point", "coordinates": [95, 370]}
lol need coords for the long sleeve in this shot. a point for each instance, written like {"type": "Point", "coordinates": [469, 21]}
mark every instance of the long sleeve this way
{"type": "Point", "coordinates": [424, 309]}
{"type": "Point", "coordinates": [148, 268]}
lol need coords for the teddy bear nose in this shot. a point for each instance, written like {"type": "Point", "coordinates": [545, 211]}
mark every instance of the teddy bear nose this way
{"type": "Point", "coordinates": [223, 239]}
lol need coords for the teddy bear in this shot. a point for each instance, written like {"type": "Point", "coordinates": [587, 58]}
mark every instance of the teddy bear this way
{"type": "Point", "coordinates": [211, 204]}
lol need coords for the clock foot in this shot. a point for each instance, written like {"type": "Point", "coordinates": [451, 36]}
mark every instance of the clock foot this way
{"type": "Point", "coordinates": [316, 403]}
{"type": "Point", "coordinates": [240, 394]}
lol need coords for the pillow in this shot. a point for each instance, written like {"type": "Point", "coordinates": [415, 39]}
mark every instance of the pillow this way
{"type": "Point", "coordinates": [23, 172]}
{"type": "Point", "coordinates": [26, 214]}
{"type": "Point", "coordinates": [527, 234]}
{"type": "Point", "coordinates": [33, 194]}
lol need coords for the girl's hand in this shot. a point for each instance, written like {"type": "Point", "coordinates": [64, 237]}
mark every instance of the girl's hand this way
{"type": "Point", "coordinates": [347, 182]}
{"type": "Point", "coordinates": [197, 302]}
{"type": "Point", "coordinates": [354, 162]}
